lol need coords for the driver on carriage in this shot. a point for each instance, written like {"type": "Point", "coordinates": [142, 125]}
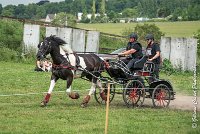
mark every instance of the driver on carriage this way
{"type": "Point", "coordinates": [134, 50]}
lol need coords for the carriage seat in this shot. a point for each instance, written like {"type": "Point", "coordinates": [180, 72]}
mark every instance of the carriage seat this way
{"type": "Point", "coordinates": [138, 65]}
{"type": "Point", "coordinates": [147, 70]}
{"type": "Point", "coordinates": [143, 67]}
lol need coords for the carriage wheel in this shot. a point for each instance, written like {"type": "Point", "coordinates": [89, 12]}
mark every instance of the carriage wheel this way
{"type": "Point", "coordinates": [134, 93]}
{"type": "Point", "coordinates": [161, 96]}
{"type": "Point", "coordinates": [97, 94]}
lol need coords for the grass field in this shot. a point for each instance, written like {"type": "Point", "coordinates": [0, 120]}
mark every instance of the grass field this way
{"type": "Point", "coordinates": [22, 114]}
{"type": "Point", "coordinates": [175, 29]}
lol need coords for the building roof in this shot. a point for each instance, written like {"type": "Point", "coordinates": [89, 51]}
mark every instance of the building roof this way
{"type": "Point", "coordinates": [51, 16]}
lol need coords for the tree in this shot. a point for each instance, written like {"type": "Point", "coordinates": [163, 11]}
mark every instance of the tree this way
{"type": "Point", "coordinates": [30, 11]}
{"type": "Point", "coordinates": [142, 30]}
{"type": "Point", "coordinates": [9, 11]}
{"type": "Point", "coordinates": [112, 15]}
{"type": "Point", "coordinates": [103, 18]}
{"type": "Point", "coordinates": [163, 12]}
{"type": "Point", "coordinates": [20, 10]}
{"type": "Point", "coordinates": [77, 6]}
{"type": "Point", "coordinates": [176, 14]}
{"type": "Point", "coordinates": [93, 11]}
{"type": "Point", "coordinates": [120, 5]}
{"type": "Point", "coordinates": [148, 8]}
{"type": "Point", "coordinates": [65, 19]}
{"type": "Point", "coordinates": [130, 12]}
{"type": "Point", "coordinates": [1, 8]}
{"type": "Point", "coordinates": [40, 12]}
{"type": "Point", "coordinates": [65, 7]}
{"type": "Point", "coordinates": [193, 12]}
{"type": "Point", "coordinates": [11, 34]}
{"type": "Point", "coordinates": [102, 8]}
{"type": "Point", "coordinates": [69, 1]}
{"type": "Point", "coordinates": [84, 15]}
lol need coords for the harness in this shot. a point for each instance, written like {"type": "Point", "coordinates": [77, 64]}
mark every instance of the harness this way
{"type": "Point", "coordinates": [68, 64]}
{"type": "Point", "coordinates": [96, 73]}
{"type": "Point", "coordinates": [77, 59]}
{"type": "Point", "coordinates": [63, 66]}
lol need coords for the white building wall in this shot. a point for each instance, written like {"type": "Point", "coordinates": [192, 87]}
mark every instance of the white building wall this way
{"type": "Point", "coordinates": [78, 40]}
{"type": "Point", "coordinates": [182, 52]}
{"type": "Point", "coordinates": [31, 37]}
{"type": "Point", "coordinates": [92, 44]}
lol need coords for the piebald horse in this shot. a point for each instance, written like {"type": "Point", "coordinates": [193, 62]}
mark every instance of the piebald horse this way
{"type": "Point", "coordinates": [66, 64]}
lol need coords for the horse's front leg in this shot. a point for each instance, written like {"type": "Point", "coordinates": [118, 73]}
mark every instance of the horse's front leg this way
{"type": "Point", "coordinates": [51, 87]}
{"type": "Point", "coordinates": [71, 94]}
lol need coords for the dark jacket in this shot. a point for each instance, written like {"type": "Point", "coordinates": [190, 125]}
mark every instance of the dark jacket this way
{"type": "Point", "coordinates": [151, 52]}
{"type": "Point", "coordinates": [138, 47]}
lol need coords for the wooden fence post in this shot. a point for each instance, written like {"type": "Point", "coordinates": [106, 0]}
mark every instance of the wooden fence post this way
{"type": "Point", "coordinates": [107, 109]}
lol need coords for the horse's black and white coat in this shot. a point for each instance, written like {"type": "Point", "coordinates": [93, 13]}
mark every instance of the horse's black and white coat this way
{"type": "Point", "coordinates": [66, 64]}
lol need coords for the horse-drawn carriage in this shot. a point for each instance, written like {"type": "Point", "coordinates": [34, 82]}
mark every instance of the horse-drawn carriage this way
{"type": "Point", "coordinates": [136, 85]}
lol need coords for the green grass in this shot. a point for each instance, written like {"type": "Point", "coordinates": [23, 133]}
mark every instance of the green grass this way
{"type": "Point", "coordinates": [173, 29]}
{"type": "Point", "coordinates": [23, 114]}
{"type": "Point", "coordinates": [182, 82]}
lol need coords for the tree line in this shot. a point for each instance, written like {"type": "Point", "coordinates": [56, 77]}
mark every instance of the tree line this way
{"type": "Point", "coordinates": [187, 10]}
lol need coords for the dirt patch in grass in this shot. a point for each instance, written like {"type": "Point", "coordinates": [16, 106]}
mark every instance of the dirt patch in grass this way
{"type": "Point", "coordinates": [181, 102]}
{"type": "Point", "coordinates": [185, 102]}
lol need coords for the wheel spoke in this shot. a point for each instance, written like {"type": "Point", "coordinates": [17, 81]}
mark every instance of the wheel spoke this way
{"type": "Point", "coordinates": [161, 96]}
{"type": "Point", "coordinates": [134, 94]}
{"type": "Point", "coordinates": [98, 97]}
{"type": "Point", "coordinates": [128, 100]}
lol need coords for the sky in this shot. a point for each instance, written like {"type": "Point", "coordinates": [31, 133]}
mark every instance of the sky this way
{"type": "Point", "coordinates": [25, 2]}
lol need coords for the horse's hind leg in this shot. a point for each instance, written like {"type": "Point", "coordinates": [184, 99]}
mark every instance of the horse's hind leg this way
{"type": "Point", "coordinates": [48, 95]}
{"type": "Point", "coordinates": [71, 94]}
{"type": "Point", "coordinates": [92, 89]}
{"type": "Point", "coordinates": [102, 88]}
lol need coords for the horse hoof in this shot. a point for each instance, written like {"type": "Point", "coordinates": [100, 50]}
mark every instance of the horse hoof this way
{"type": "Point", "coordinates": [103, 96]}
{"type": "Point", "coordinates": [77, 95]}
{"type": "Point", "coordinates": [74, 95]}
{"type": "Point", "coordinates": [85, 101]}
{"type": "Point", "coordinates": [43, 104]}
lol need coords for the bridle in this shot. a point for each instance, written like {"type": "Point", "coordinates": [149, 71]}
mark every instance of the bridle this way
{"type": "Point", "coordinates": [44, 51]}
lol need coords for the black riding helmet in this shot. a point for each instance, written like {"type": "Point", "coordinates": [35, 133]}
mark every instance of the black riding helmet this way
{"type": "Point", "coordinates": [149, 36]}
{"type": "Point", "coordinates": [133, 35]}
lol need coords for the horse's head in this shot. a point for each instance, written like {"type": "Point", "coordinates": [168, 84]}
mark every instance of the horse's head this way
{"type": "Point", "coordinates": [46, 46]}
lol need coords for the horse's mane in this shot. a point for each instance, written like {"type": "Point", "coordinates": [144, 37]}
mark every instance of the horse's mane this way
{"type": "Point", "coordinates": [65, 47]}
{"type": "Point", "coordinates": [58, 40]}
